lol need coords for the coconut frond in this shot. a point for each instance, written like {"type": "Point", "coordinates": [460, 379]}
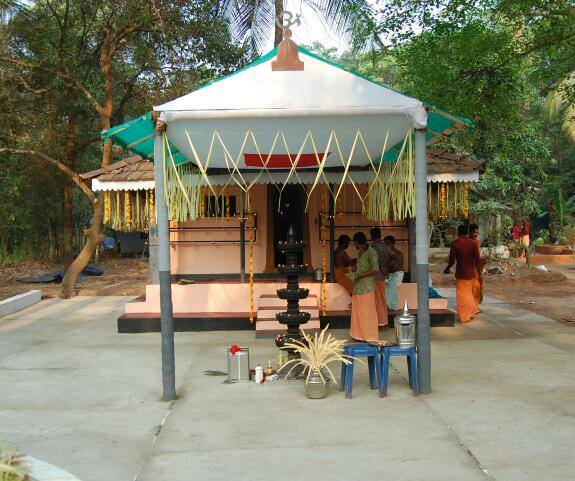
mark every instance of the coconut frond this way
{"type": "Point", "coordinates": [254, 20]}
{"type": "Point", "coordinates": [13, 467]}
{"type": "Point", "coordinates": [560, 101]}
{"type": "Point", "coordinates": [317, 353]}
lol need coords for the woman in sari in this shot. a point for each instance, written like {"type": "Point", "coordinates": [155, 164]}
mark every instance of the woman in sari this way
{"type": "Point", "coordinates": [364, 319]}
{"type": "Point", "coordinates": [342, 263]}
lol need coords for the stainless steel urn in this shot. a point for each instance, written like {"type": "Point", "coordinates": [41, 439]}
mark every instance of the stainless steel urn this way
{"type": "Point", "coordinates": [318, 275]}
{"type": "Point", "coordinates": [405, 328]}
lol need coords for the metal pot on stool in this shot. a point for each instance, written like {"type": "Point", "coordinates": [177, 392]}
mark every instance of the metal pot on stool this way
{"type": "Point", "coordinates": [405, 328]}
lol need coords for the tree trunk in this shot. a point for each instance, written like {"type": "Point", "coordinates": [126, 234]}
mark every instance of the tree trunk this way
{"type": "Point", "coordinates": [279, 9]}
{"type": "Point", "coordinates": [94, 233]}
{"type": "Point", "coordinates": [68, 254]}
{"type": "Point", "coordinates": [93, 238]}
{"type": "Point", "coordinates": [67, 228]}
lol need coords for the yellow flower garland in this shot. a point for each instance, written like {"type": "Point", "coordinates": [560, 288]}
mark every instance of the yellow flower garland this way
{"type": "Point", "coordinates": [107, 207]}
{"type": "Point", "coordinates": [251, 251]}
{"type": "Point", "coordinates": [323, 297]}
{"type": "Point", "coordinates": [127, 208]}
{"type": "Point", "coordinates": [151, 207]}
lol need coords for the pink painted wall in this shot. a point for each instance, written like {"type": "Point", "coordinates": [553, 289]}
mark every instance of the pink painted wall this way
{"type": "Point", "coordinates": [230, 297]}
{"type": "Point", "coordinates": [218, 257]}
{"type": "Point", "coordinates": [222, 258]}
{"type": "Point", "coordinates": [349, 221]}
{"type": "Point", "coordinates": [226, 297]}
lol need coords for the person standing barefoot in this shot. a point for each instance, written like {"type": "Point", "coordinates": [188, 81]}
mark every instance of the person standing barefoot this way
{"type": "Point", "coordinates": [363, 310]}
{"type": "Point", "coordinates": [465, 252]}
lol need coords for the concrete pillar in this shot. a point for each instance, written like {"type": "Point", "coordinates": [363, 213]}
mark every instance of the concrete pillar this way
{"type": "Point", "coordinates": [153, 274]}
{"type": "Point", "coordinates": [422, 267]}
{"type": "Point", "coordinates": [164, 274]}
{"type": "Point", "coordinates": [411, 250]}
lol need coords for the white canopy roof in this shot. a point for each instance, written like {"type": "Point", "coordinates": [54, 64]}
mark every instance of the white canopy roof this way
{"type": "Point", "coordinates": [321, 99]}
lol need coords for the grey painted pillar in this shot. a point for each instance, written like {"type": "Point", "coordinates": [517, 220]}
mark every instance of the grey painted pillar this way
{"type": "Point", "coordinates": [411, 249]}
{"type": "Point", "coordinates": [153, 268]}
{"type": "Point", "coordinates": [166, 310]}
{"type": "Point", "coordinates": [422, 269]}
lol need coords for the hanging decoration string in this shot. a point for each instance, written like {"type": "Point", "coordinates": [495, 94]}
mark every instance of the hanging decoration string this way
{"type": "Point", "coordinates": [251, 221]}
{"type": "Point", "coordinates": [323, 296]}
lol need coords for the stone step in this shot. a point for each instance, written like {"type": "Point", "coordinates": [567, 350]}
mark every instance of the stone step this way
{"type": "Point", "coordinates": [270, 312]}
{"type": "Point", "coordinates": [271, 300]}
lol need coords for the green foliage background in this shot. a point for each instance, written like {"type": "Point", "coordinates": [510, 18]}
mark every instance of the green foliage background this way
{"type": "Point", "coordinates": [491, 61]}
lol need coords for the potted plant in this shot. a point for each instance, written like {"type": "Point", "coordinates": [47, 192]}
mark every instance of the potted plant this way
{"type": "Point", "coordinates": [13, 466]}
{"type": "Point", "coordinates": [317, 353]}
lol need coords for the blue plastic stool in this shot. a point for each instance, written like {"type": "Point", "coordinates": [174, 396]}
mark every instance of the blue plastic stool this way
{"type": "Point", "coordinates": [411, 355]}
{"type": "Point", "coordinates": [373, 363]}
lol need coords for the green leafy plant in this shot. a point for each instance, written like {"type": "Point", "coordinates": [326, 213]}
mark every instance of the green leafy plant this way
{"type": "Point", "coordinates": [518, 246]}
{"type": "Point", "coordinates": [317, 353]}
{"type": "Point", "coordinates": [567, 237]}
{"type": "Point", "coordinates": [13, 467]}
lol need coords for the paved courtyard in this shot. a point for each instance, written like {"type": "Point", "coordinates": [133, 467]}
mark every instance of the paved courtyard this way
{"type": "Point", "coordinates": [79, 395]}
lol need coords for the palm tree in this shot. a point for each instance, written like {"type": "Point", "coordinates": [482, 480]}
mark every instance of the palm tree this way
{"type": "Point", "coordinates": [561, 100]}
{"type": "Point", "coordinates": [254, 20]}
{"type": "Point", "coordinates": [9, 8]}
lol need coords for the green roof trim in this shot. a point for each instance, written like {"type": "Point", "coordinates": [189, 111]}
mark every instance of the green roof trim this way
{"type": "Point", "coordinates": [137, 135]}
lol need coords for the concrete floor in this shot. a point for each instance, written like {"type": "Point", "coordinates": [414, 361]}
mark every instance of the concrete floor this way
{"type": "Point", "coordinates": [79, 395]}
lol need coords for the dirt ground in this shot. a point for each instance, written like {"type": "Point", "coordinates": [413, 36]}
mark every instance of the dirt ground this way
{"type": "Point", "coordinates": [122, 277]}
{"type": "Point", "coordinates": [551, 294]}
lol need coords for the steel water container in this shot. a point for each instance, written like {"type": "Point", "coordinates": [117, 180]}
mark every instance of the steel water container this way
{"type": "Point", "coordinates": [239, 364]}
{"type": "Point", "coordinates": [405, 328]}
{"type": "Point", "coordinates": [318, 275]}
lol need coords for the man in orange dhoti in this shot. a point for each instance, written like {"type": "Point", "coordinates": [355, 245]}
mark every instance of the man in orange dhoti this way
{"type": "Point", "coordinates": [342, 263]}
{"type": "Point", "coordinates": [364, 317]}
{"type": "Point", "coordinates": [465, 252]}
{"type": "Point", "coordinates": [477, 279]}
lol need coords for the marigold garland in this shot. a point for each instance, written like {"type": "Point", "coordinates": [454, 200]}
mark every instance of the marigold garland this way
{"type": "Point", "coordinates": [106, 207]}
{"type": "Point", "coordinates": [127, 208]}
{"type": "Point", "coordinates": [443, 210]}
{"type": "Point", "coordinates": [151, 207]}
{"type": "Point", "coordinates": [251, 263]}
{"type": "Point", "coordinates": [448, 200]}
{"type": "Point", "coordinates": [466, 200]}
{"type": "Point", "coordinates": [323, 297]}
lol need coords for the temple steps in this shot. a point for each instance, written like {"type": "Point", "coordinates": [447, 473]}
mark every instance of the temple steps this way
{"type": "Point", "coordinates": [270, 304]}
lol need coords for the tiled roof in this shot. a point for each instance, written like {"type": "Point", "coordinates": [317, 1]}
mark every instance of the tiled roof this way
{"type": "Point", "coordinates": [442, 161]}
{"type": "Point", "coordinates": [439, 161]}
{"type": "Point", "coordinates": [131, 168]}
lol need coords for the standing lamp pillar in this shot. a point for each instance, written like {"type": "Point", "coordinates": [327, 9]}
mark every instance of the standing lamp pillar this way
{"type": "Point", "coordinates": [422, 265]}
{"type": "Point", "coordinates": [242, 240]}
{"type": "Point", "coordinates": [331, 238]}
{"type": "Point", "coordinates": [166, 309]}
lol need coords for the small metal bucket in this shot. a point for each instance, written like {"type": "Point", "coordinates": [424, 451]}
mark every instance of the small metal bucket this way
{"type": "Point", "coordinates": [405, 328]}
{"type": "Point", "coordinates": [239, 365]}
{"type": "Point", "coordinates": [318, 275]}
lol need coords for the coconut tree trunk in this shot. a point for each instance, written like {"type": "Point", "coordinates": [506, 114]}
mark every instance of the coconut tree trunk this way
{"type": "Point", "coordinates": [279, 9]}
